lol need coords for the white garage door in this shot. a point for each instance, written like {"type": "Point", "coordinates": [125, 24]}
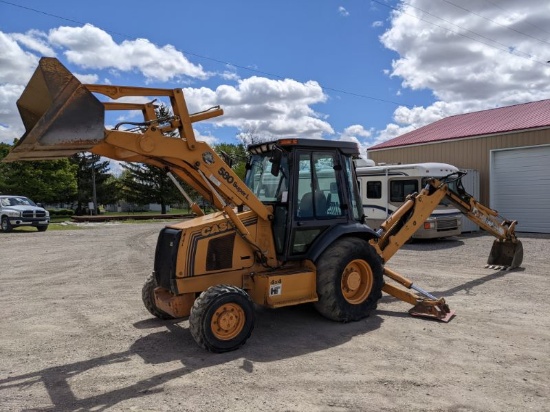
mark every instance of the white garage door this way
{"type": "Point", "coordinates": [520, 186]}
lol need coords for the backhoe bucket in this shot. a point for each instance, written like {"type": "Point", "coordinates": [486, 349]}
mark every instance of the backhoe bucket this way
{"type": "Point", "coordinates": [61, 116]}
{"type": "Point", "coordinates": [505, 254]}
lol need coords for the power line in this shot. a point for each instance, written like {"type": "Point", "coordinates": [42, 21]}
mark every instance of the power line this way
{"type": "Point", "coordinates": [264, 73]}
{"type": "Point", "coordinates": [495, 22]}
{"type": "Point", "coordinates": [505, 49]}
{"type": "Point", "coordinates": [527, 22]}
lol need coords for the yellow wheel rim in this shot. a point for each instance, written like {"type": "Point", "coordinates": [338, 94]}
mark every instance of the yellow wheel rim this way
{"type": "Point", "coordinates": [357, 281]}
{"type": "Point", "coordinates": [228, 321]}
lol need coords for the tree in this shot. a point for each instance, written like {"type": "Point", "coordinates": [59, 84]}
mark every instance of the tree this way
{"type": "Point", "coordinates": [143, 184]}
{"type": "Point", "coordinates": [92, 171]}
{"type": "Point", "coordinates": [47, 181]}
{"type": "Point", "coordinates": [235, 155]}
{"type": "Point", "coordinates": [252, 136]}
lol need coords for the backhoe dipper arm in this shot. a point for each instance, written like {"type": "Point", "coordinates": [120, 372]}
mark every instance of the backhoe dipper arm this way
{"type": "Point", "coordinates": [405, 221]}
{"type": "Point", "coordinates": [483, 216]}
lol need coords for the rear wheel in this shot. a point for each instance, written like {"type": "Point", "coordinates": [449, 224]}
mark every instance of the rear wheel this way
{"type": "Point", "coordinates": [349, 280]}
{"type": "Point", "coordinates": [222, 318]}
{"type": "Point", "coordinates": [148, 297]}
{"type": "Point", "coordinates": [5, 224]}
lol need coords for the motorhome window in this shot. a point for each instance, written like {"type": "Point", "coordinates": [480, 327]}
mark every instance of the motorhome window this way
{"type": "Point", "coordinates": [266, 187]}
{"type": "Point", "coordinates": [400, 189]}
{"type": "Point", "coordinates": [374, 190]}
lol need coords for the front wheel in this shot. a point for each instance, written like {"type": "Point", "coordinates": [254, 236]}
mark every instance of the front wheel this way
{"type": "Point", "coordinates": [349, 280]}
{"type": "Point", "coordinates": [42, 228]}
{"type": "Point", "coordinates": [5, 224]}
{"type": "Point", "coordinates": [148, 297]}
{"type": "Point", "coordinates": [222, 318]}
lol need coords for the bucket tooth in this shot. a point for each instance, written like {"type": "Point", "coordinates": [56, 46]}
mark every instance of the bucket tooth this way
{"type": "Point", "coordinates": [61, 116]}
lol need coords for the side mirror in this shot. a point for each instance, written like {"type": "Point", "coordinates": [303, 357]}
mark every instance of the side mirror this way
{"type": "Point", "coordinates": [275, 160]}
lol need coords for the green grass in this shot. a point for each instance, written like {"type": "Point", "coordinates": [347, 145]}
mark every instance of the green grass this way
{"type": "Point", "coordinates": [52, 226]}
{"type": "Point", "coordinates": [145, 213]}
{"type": "Point", "coordinates": [57, 226]}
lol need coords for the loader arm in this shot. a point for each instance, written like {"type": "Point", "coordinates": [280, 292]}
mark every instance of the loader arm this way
{"type": "Point", "coordinates": [62, 117]}
{"type": "Point", "coordinates": [506, 253]}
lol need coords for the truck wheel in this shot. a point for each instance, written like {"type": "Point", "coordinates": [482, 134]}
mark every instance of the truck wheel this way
{"type": "Point", "coordinates": [6, 225]}
{"type": "Point", "coordinates": [42, 228]}
{"type": "Point", "coordinates": [222, 318]}
{"type": "Point", "coordinates": [148, 297]}
{"type": "Point", "coordinates": [349, 280]}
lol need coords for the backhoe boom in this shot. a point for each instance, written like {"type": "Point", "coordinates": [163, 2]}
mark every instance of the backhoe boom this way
{"type": "Point", "coordinates": [506, 253]}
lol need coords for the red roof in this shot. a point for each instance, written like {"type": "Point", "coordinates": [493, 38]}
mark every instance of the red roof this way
{"type": "Point", "coordinates": [503, 119]}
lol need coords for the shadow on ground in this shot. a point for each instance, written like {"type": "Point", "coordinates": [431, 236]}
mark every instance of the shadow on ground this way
{"type": "Point", "coordinates": [279, 334]}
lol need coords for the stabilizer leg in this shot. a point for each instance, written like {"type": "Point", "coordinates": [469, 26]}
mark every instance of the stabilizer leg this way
{"type": "Point", "coordinates": [426, 306]}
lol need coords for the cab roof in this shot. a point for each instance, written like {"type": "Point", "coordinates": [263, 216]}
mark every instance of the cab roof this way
{"type": "Point", "coordinates": [350, 148]}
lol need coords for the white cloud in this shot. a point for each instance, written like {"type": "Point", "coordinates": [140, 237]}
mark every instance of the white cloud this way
{"type": "Point", "coordinates": [86, 78]}
{"type": "Point", "coordinates": [273, 108]}
{"type": "Point", "coordinates": [356, 133]}
{"type": "Point", "coordinates": [460, 57]}
{"type": "Point", "coordinates": [17, 65]}
{"type": "Point", "coordinates": [93, 48]}
{"type": "Point", "coordinates": [87, 47]}
{"type": "Point", "coordinates": [343, 11]}
{"type": "Point", "coordinates": [17, 68]}
{"type": "Point", "coordinates": [377, 23]}
{"type": "Point", "coordinates": [35, 40]}
{"type": "Point", "coordinates": [209, 139]}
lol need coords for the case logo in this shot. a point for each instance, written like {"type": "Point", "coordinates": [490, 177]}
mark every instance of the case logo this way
{"type": "Point", "coordinates": [217, 228]}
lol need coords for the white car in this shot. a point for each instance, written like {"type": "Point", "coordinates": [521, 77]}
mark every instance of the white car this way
{"type": "Point", "coordinates": [18, 211]}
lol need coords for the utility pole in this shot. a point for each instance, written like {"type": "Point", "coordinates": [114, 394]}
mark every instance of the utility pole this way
{"type": "Point", "coordinates": [94, 194]}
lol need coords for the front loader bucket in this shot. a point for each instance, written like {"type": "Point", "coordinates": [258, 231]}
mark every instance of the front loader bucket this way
{"type": "Point", "coordinates": [505, 254]}
{"type": "Point", "coordinates": [61, 116]}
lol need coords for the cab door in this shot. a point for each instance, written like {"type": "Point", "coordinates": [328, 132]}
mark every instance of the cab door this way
{"type": "Point", "coordinates": [317, 198]}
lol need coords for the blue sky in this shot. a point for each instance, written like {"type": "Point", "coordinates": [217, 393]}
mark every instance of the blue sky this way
{"type": "Point", "coordinates": [352, 70]}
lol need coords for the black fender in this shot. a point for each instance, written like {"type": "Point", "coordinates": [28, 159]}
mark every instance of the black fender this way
{"type": "Point", "coordinates": [355, 229]}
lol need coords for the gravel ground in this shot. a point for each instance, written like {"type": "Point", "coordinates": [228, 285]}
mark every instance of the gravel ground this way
{"type": "Point", "coordinates": [76, 337]}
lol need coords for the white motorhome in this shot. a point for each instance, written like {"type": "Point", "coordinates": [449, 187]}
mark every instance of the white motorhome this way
{"type": "Point", "coordinates": [384, 189]}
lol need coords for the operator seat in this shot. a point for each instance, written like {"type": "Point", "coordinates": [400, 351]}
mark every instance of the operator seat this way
{"type": "Point", "coordinates": [306, 204]}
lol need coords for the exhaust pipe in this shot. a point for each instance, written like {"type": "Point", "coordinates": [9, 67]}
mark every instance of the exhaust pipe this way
{"type": "Point", "coordinates": [61, 116]}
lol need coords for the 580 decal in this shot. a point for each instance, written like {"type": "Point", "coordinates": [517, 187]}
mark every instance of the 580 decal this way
{"type": "Point", "coordinates": [225, 175]}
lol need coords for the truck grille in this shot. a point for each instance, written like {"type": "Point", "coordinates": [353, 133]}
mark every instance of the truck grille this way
{"type": "Point", "coordinates": [33, 213]}
{"type": "Point", "coordinates": [446, 224]}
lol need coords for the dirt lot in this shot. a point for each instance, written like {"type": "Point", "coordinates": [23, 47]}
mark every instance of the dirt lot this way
{"type": "Point", "coordinates": [76, 337]}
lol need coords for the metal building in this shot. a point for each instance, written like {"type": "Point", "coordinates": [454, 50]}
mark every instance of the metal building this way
{"type": "Point", "coordinates": [508, 146]}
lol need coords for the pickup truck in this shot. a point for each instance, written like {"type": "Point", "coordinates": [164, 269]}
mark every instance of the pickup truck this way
{"type": "Point", "coordinates": [18, 211]}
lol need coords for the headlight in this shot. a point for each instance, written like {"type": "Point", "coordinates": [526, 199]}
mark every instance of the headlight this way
{"type": "Point", "coordinates": [13, 213]}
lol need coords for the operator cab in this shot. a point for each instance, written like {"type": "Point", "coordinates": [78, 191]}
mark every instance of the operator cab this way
{"type": "Point", "coordinates": [311, 186]}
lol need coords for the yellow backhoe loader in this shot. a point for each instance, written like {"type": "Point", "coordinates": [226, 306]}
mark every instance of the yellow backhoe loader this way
{"type": "Point", "coordinates": [291, 233]}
